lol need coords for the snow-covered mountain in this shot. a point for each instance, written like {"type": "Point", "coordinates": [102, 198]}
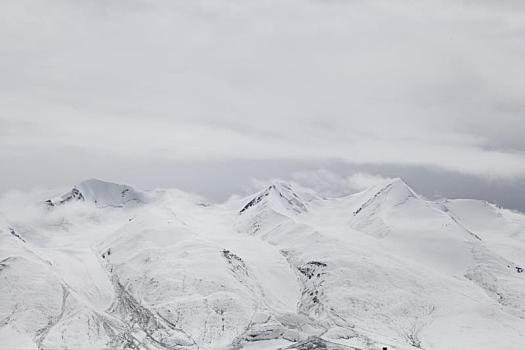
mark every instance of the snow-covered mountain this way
{"type": "Point", "coordinates": [102, 193]}
{"type": "Point", "coordinates": [105, 266]}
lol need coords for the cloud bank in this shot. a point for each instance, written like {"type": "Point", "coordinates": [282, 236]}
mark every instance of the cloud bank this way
{"type": "Point", "coordinates": [434, 84]}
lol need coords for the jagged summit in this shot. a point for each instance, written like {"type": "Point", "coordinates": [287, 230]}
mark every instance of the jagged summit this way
{"type": "Point", "coordinates": [280, 196]}
{"type": "Point", "coordinates": [102, 193]}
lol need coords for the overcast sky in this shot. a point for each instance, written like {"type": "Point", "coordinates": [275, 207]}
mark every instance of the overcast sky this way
{"type": "Point", "coordinates": [208, 95]}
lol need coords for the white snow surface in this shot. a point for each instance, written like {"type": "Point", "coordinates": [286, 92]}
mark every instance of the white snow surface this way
{"type": "Point", "coordinates": [105, 266]}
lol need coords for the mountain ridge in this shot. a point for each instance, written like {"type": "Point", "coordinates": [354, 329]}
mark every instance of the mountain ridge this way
{"type": "Point", "coordinates": [158, 270]}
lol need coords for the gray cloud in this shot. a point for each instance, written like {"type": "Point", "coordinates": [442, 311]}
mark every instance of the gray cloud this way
{"type": "Point", "coordinates": [426, 84]}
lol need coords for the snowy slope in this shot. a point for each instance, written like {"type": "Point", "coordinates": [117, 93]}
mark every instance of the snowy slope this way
{"type": "Point", "coordinates": [106, 266]}
{"type": "Point", "coordinates": [502, 229]}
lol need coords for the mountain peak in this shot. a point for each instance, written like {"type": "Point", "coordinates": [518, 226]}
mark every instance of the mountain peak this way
{"type": "Point", "coordinates": [102, 193]}
{"type": "Point", "coordinates": [400, 187]}
{"type": "Point", "coordinates": [391, 192]}
{"type": "Point", "coordinates": [278, 195]}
